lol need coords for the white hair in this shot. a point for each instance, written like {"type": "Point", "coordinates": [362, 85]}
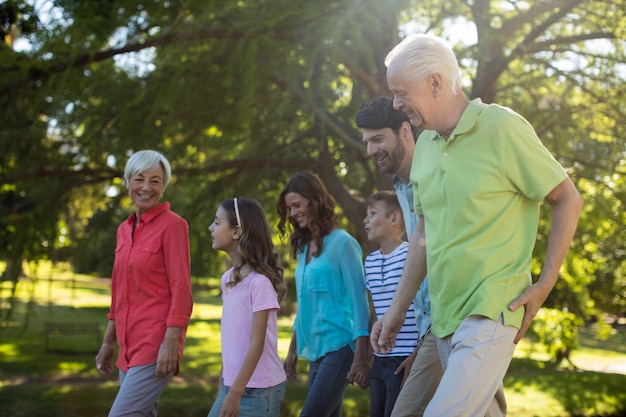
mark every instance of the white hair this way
{"type": "Point", "coordinates": [144, 160]}
{"type": "Point", "coordinates": [423, 55]}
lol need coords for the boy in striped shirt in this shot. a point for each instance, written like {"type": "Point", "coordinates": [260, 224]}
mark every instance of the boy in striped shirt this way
{"type": "Point", "coordinates": [384, 225]}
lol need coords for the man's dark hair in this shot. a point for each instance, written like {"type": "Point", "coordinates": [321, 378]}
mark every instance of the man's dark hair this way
{"type": "Point", "coordinates": [379, 114]}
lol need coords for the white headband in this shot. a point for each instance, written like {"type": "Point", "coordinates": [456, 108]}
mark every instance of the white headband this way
{"type": "Point", "coordinates": [237, 213]}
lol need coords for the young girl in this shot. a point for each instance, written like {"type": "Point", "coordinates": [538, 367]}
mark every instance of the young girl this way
{"type": "Point", "coordinates": [253, 378]}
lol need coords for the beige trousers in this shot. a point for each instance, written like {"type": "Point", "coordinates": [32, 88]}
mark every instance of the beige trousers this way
{"type": "Point", "coordinates": [422, 381]}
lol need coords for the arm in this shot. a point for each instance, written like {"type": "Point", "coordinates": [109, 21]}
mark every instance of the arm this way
{"type": "Point", "coordinates": [353, 277]}
{"type": "Point", "coordinates": [361, 365]}
{"type": "Point", "coordinates": [231, 405]}
{"type": "Point", "coordinates": [566, 205]}
{"type": "Point", "coordinates": [291, 361]}
{"type": "Point", "coordinates": [385, 330]}
{"type": "Point", "coordinates": [167, 357]}
{"type": "Point", "coordinates": [178, 268]}
{"type": "Point", "coordinates": [177, 265]}
{"type": "Point", "coordinates": [372, 310]}
{"type": "Point", "coordinates": [104, 358]}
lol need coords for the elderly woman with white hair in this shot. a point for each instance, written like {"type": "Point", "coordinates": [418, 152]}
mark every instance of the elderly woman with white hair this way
{"type": "Point", "coordinates": [151, 299]}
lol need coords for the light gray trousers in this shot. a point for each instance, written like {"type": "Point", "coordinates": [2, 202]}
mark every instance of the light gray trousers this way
{"type": "Point", "coordinates": [139, 392]}
{"type": "Point", "coordinates": [475, 359]}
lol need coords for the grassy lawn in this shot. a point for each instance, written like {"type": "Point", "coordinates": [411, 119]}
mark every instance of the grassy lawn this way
{"type": "Point", "coordinates": [36, 383]}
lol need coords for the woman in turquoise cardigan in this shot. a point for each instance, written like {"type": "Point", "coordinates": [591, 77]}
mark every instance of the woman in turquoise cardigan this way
{"type": "Point", "coordinates": [331, 323]}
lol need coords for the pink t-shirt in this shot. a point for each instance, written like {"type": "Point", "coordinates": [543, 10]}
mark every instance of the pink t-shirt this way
{"type": "Point", "coordinates": [254, 293]}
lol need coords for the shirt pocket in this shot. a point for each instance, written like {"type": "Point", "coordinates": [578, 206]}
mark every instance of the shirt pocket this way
{"type": "Point", "coordinates": [319, 279]}
{"type": "Point", "coordinates": [150, 247]}
{"type": "Point", "coordinates": [120, 260]}
{"type": "Point", "coordinates": [120, 247]}
{"type": "Point", "coordinates": [149, 258]}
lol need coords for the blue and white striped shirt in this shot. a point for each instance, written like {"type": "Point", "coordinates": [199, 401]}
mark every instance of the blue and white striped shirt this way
{"type": "Point", "coordinates": [382, 274]}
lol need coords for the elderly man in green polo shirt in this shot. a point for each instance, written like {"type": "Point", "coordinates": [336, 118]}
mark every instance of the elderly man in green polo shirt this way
{"type": "Point", "coordinates": [479, 174]}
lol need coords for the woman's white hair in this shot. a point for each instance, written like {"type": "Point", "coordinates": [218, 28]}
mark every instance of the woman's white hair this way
{"type": "Point", "coordinates": [422, 55]}
{"type": "Point", "coordinates": [144, 160]}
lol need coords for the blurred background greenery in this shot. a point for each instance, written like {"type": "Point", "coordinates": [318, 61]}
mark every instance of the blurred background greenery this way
{"type": "Point", "coordinates": [240, 95]}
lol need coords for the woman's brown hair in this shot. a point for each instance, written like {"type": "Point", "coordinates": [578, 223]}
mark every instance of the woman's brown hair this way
{"type": "Point", "coordinates": [322, 211]}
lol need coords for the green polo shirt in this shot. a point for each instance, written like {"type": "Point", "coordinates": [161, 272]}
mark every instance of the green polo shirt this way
{"type": "Point", "coordinates": [479, 193]}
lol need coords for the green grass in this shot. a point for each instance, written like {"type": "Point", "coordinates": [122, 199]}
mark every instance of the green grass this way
{"type": "Point", "coordinates": [34, 383]}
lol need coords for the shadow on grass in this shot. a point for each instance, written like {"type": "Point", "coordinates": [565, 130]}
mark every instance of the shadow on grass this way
{"type": "Point", "coordinates": [34, 383]}
{"type": "Point", "coordinates": [37, 401]}
{"type": "Point", "coordinates": [589, 338]}
{"type": "Point", "coordinates": [192, 393]}
{"type": "Point", "coordinates": [581, 393]}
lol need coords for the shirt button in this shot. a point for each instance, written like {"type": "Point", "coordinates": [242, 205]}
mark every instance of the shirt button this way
{"type": "Point", "coordinates": [445, 154]}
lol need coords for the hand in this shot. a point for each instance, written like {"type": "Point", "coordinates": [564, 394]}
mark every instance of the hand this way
{"type": "Point", "coordinates": [231, 405]}
{"type": "Point", "coordinates": [406, 366]}
{"type": "Point", "coordinates": [167, 358]}
{"type": "Point", "coordinates": [384, 332]}
{"type": "Point", "coordinates": [291, 366]}
{"type": "Point", "coordinates": [104, 358]}
{"type": "Point", "coordinates": [360, 373]}
{"type": "Point", "coordinates": [532, 299]}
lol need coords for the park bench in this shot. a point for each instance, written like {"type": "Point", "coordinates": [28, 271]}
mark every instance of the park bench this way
{"type": "Point", "coordinates": [72, 337]}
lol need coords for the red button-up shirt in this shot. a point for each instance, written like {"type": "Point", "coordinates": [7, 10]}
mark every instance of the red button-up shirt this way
{"type": "Point", "coordinates": [151, 285]}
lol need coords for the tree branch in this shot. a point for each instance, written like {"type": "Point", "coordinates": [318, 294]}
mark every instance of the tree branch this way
{"type": "Point", "coordinates": [37, 74]}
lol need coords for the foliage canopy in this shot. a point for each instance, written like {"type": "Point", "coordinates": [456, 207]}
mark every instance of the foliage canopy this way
{"type": "Point", "coordinates": [239, 95]}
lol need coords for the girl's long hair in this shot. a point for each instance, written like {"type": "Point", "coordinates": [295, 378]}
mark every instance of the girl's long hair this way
{"type": "Point", "coordinates": [255, 245]}
{"type": "Point", "coordinates": [322, 212]}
